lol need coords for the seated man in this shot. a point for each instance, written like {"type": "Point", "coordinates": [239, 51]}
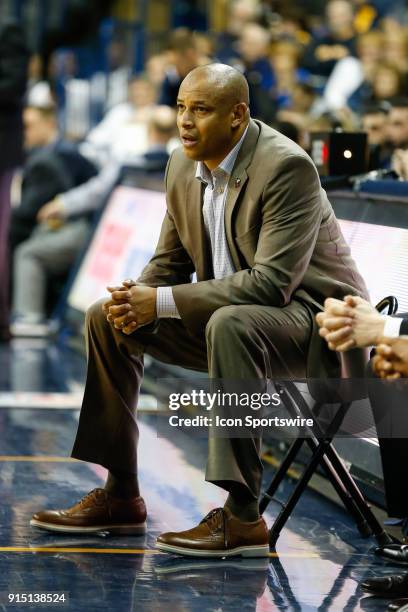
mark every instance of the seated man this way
{"type": "Point", "coordinates": [253, 222]}
{"type": "Point", "coordinates": [356, 323]}
{"type": "Point", "coordinates": [52, 166]}
{"type": "Point", "coordinates": [65, 225]}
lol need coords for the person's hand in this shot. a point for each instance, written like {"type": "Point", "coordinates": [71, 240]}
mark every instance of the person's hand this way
{"type": "Point", "coordinates": [339, 52]}
{"type": "Point", "coordinates": [322, 53]}
{"type": "Point", "coordinates": [399, 163]}
{"type": "Point", "coordinates": [391, 359]}
{"type": "Point", "coordinates": [51, 211]}
{"type": "Point", "coordinates": [111, 302]}
{"type": "Point", "coordinates": [335, 324]}
{"type": "Point", "coordinates": [131, 306]}
{"type": "Point", "coordinates": [325, 53]}
{"type": "Point", "coordinates": [351, 323]}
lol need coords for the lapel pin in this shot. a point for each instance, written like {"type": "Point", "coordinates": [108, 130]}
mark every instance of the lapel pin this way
{"type": "Point", "coordinates": [237, 182]}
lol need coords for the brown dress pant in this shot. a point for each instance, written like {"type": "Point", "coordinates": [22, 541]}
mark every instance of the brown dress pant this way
{"type": "Point", "coordinates": [241, 342]}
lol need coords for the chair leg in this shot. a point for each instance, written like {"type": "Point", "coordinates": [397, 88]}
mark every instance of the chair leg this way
{"type": "Point", "coordinates": [374, 525]}
{"type": "Point", "coordinates": [287, 510]}
{"type": "Point", "coordinates": [369, 524]}
{"type": "Point", "coordinates": [280, 474]}
{"type": "Point", "coordinates": [332, 472]}
{"type": "Point", "coordinates": [317, 456]}
{"type": "Point", "coordinates": [330, 469]}
{"type": "Point", "coordinates": [321, 449]}
{"type": "Point", "coordinates": [334, 478]}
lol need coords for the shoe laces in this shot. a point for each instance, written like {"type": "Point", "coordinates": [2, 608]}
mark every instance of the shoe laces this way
{"type": "Point", "coordinates": [94, 494]}
{"type": "Point", "coordinates": [212, 519]}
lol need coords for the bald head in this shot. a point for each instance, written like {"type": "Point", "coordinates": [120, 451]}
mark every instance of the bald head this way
{"type": "Point", "coordinates": [212, 112]}
{"type": "Point", "coordinates": [225, 82]}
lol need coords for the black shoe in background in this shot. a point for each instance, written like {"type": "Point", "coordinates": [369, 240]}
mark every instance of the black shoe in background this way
{"type": "Point", "coordinates": [395, 585]}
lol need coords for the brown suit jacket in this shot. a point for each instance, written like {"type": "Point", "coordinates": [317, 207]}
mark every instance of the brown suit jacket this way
{"type": "Point", "coordinates": [283, 236]}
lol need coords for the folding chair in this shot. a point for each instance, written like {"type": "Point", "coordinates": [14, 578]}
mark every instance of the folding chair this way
{"type": "Point", "coordinates": [324, 454]}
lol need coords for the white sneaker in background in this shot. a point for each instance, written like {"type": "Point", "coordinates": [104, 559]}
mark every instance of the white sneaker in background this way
{"type": "Point", "coordinates": [22, 328]}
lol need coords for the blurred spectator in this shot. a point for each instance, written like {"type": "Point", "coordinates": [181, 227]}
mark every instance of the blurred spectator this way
{"type": "Point", "coordinates": [397, 127]}
{"type": "Point", "coordinates": [124, 127]}
{"type": "Point", "coordinates": [52, 165]}
{"type": "Point", "coordinates": [183, 57]}
{"type": "Point", "coordinates": [118, 75]}
{"type": "Point", "coordinates": [91, 195]}
{"type": "Point", "coordinates": [254, 63]}
{"type": "Point", "coordinates": [302, 107]}
{"type": "Point", "coordinates": [370, 51]}
{"type": "Point", "coordinates": [385, 82]}
{"type": "Point", "coordinates": [240, 13]}
{"type": "Point", "coordinates": [291, 24]}
{"type": "Point", "coordinates": [289, 130]}
{"type": "Point", "coordinates": [397, 132]}
{"type": "Point", "coordinates": [388, 82]}
{"type": "Point", "coordinates": [205, 47]}
{"type": "Point", "coordinates": [325, 51]}
{"type": "Point", "coordinates": [155, 69]}
{"type": "Point", "coordinates": [395, 18]}
{"type": "Point", "coordinates": [303, 99]}
{"type": "Point", "coordinates": [253, 46]}
{"type": "Point", "coordinates": [396, 49]}
{"type": "Point", "coordinates": [65, 227]}
{"type": "Point", "coordinates": [374, 123]}
{"type": "Point", "coordinates": [38, 90]}
{"type": "Point", "coordinates": [285, 62]}
{"type": "Point", "coordinates": [13, 78]}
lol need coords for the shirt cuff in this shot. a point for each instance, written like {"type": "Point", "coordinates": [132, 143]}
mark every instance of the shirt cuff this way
{"type": "Point", "coordinates": [165, 305]}
{"type": "Point", "coordinates": [392, 327]}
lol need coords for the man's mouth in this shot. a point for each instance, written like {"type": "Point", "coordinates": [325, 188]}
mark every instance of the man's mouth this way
{"type": "Point", "coordinates": [188, 141]}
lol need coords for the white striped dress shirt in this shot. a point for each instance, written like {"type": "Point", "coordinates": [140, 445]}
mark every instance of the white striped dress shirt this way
{"type": "Point", "coordinates": [215, 195]}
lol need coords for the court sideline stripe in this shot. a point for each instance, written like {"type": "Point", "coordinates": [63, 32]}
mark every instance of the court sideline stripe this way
{"type": "Point", "coordinates": [39, 458]}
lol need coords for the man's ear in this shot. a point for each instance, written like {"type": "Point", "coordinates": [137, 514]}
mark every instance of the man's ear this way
{"type": "Point", "coordinates": [239, 114]}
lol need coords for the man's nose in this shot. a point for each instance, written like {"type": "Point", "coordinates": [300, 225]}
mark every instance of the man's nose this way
{"type": "Point", "coordinates": [186, 119]}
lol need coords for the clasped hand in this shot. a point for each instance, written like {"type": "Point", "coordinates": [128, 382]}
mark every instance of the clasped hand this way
{"type": "Point", "coordinates": [391, 359]}
{"type": "Point", "coordinates": [130, 306]}
{"type": "Point", "coordinates": [351, 323]}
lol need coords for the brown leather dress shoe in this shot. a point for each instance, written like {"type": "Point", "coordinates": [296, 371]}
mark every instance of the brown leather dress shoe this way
{"type": "Point", "coordinates": [97, 511]}
{"type": "Point", "coordinates": [220, 534]}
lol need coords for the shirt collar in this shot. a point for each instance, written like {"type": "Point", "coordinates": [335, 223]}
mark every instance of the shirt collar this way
{"type": "Point", "coordinates": [226, 166]}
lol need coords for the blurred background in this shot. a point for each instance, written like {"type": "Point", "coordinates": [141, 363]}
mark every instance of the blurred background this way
{"type": "Point", "coordinates": [311, 64]}
{"type": "Point", "coordinates": [88, 95]}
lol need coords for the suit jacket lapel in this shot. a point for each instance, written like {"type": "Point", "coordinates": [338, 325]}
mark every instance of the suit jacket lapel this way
{"type": "Point", "coordinates": [202, 259]}
{"type": "Point", "coordinates": [236, 183]}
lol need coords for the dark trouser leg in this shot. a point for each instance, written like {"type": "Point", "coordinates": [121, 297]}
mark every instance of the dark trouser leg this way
{"type": "Point", "coordinates": [108, 432]}
{"type": "Point", "coordinates": [389, 400]}
{"type": "Point", "coordinates": [247, 343]}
